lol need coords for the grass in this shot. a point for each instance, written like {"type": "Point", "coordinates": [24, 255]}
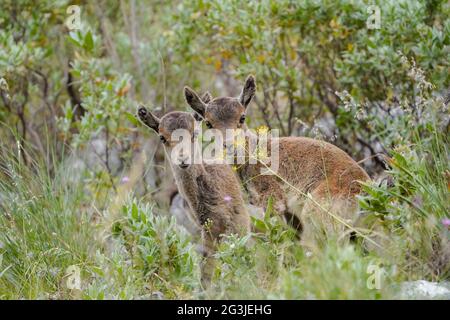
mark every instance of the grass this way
{"type": "Point", "coordinates": [42, 229]}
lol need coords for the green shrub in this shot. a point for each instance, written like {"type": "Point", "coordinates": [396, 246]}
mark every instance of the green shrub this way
{"type": "Point", "coordinates": [158, 246]}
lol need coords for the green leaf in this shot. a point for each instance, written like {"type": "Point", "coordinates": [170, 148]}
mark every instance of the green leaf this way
{"type": "Point", "coordinates": [75, 38]}
{"type": "Point", "coordinates": [88, 41]}
{"type": "Point", "coordinates": [269, 210]}
{"type": "Point", "coordinates": [259, 224]}
{"type": "Point", "coordinates": [98, 271]}
{"type": "Point", "coordinates": [134, 212]}
{"type": "Point", "coordinates": [132, 118]}
{"type": "Point", "coordinates": [143, 218]}
{"type": "Point", "coordinates": [150, 259]}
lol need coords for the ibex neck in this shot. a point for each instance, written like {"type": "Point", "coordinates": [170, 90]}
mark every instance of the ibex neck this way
{"type": "Point", "coordinates": [189, 173]}
{"type": "Point", "coordinates": [188, 184]}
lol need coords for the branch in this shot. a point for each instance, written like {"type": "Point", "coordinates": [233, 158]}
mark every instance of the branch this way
{"type": "Point", "coordinates": [75, 99]}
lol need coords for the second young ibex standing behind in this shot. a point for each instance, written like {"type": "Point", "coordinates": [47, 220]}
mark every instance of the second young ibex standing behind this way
{"type": "Point", "coordinates": [316, 182]}
{"type": "Point", "coordinates": [212, 191]}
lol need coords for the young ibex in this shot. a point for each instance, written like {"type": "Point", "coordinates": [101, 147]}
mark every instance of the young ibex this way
{"type": "Point", "coordinates": [212, 191]}
{"type": "Point", "coordinates": [311, 172]}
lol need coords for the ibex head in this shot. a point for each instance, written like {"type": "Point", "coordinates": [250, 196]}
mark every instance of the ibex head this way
{"type": "Point", "coordinates": [170, 128]}
{"type": "Point", "coordinates": [224, 112]}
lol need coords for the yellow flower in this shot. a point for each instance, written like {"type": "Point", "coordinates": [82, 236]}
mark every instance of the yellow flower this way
{"type": "Point", "coordinates": [226, 54]}
{"type": "Point", "coordinates": [218, 65]}
{"type": "Point", "coordinates": [262, 154]}
{"type": "Point", "coordinates": [221, 156]}
{"type": "Point", "coordinates": [196, 15]}
{"type": "Point", "coordinates": [261, 58]}
{"type": "Point", "coordinates": [240, 141]}
{"type": "Point", "coordinates": [334, 24]}
{"type": "Point", "coordinates": [262, 129]}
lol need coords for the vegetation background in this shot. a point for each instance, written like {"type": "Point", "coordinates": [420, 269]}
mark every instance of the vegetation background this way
{"type": "Point", "coordinates": [86, 195]}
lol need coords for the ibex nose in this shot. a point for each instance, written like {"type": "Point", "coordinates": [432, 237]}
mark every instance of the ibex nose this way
{"type": "Point", "coordinates": [183, 165]}
{"type": "Point", "coordinates": [183, 162]}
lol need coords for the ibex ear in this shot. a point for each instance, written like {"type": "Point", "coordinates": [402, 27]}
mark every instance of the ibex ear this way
{"type": "Point", "coordinates": [207, 97]}
{"type": "Point", "coordinates": [148, 118]}
{"type": "Point", "coordinates": [248, 91]}
{"type": "Point", "coordinates": [197, 117]}
{"type": "Point", "coordinates": [194, 101]}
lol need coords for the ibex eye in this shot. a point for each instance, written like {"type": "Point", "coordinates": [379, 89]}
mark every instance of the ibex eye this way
{"type": "Point", "coordinates": [242, 119]}
{"type": "Point", "coordinates": [209, 125]}
{"type": "Point", "coordinates": [162, 139]}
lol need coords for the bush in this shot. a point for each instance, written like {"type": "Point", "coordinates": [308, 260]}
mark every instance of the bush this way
{"type": "Point", "coordinates": [158, 246]}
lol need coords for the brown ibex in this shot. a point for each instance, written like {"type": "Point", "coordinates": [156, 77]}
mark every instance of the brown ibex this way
{"type": "Point", "coordinates": [316, 183]}
{"type": "Point", "coordinates": [213, 192]}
